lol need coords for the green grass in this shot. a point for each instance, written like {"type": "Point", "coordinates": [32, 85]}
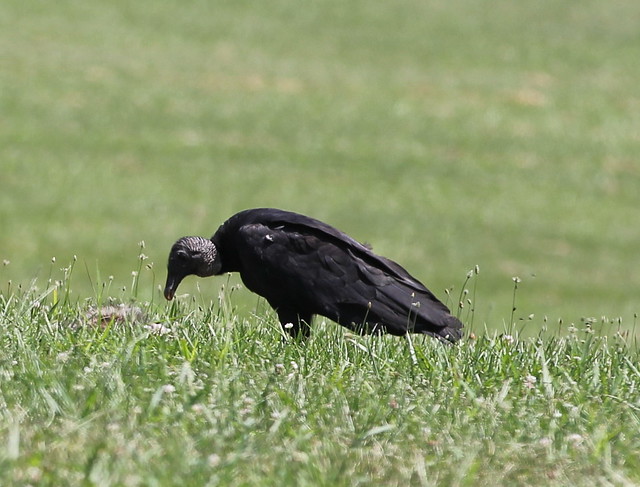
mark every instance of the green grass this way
{"type": "Point", "coordinates": [445, 134]}
{"type": "Point", "coordinates": [194, 395]}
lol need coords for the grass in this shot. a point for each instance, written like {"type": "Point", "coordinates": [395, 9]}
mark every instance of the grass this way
{"type": "Point", "coordinates": [193, 394]}
{"type": "Point", "coordinates": [445, 134]}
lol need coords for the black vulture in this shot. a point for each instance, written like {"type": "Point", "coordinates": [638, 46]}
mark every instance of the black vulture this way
{"type": "Point", "coordinates": [304, 267]}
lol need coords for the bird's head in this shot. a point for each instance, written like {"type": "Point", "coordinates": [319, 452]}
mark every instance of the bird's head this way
{"type": "Point", "coordinates": [190, 255]}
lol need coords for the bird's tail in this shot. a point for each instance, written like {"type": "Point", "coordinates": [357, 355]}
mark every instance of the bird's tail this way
{"type": "Point", "coordinates": [451, 331]}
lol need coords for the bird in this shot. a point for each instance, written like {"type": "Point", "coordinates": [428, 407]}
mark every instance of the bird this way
{"type": "Point", "coordinates": [304, 267]}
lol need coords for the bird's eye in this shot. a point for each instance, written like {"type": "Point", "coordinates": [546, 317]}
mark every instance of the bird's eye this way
{"type": "Point", "coordinates": [182, 255]}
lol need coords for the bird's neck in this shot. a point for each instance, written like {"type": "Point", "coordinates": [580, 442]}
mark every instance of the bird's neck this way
{"type": "Point", "coordinates": [210, 263]}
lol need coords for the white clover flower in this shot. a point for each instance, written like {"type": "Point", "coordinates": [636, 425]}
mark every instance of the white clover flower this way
{"type": "Point", "coordinates": [530, 381]}
{"type": "Point", "coordinates": [575, 439]}
{"type": "Point", "coordinates": [197, 408]}
{"type": "Point", "coordinates": [213, 460]}
{"type": "Point", "coordinates": [63, 356]}
{"type": "Point", "coordinates": [288, 326]}
{"type": "Point", "coordinates": [248, 401]}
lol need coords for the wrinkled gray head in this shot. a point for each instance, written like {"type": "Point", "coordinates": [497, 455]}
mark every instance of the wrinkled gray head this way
{"type": "Point", "coordinates": [190, 255]}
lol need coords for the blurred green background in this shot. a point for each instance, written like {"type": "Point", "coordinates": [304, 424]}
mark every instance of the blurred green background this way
{"type": "Point", "coordinates": [445, 134]}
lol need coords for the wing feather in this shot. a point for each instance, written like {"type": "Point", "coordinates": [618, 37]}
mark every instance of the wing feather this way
{"type": "Point", "coordinates": [296, 261]}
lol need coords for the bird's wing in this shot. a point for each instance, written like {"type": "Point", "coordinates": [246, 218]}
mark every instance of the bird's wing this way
{"type": "Point", "coordinates": [300, 224]}
{"type": "Point", "coordinates": [285, 265]}
{"type": "Point", "coordinates": [331, 274]}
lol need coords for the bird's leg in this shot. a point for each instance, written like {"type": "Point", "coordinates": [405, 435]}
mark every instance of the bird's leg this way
{"type": "Point", "coordinates": [294, 323]}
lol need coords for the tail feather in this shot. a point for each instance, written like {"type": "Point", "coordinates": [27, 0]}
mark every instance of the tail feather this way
{"type": "Point", "coordinates": [450, 332]}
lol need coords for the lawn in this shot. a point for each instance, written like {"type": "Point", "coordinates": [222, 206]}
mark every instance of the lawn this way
{"type": "Point", "coordinates": [448, 135]}
{"type": "Point", "coordinates": [196, 395]}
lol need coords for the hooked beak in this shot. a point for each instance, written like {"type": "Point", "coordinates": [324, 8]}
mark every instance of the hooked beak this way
{"type": "Point", "coordinates": [171, 286]}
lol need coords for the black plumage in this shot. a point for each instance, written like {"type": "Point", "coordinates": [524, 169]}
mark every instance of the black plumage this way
{"type": "Point", "coordinates": [304, 267]}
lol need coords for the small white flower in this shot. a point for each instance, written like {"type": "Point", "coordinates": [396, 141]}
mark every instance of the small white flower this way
{"type": "Point", "coordinates": [508, 338]}
{"type": "Point", "coordinates": [63, 356]}
{"type": "Point", "coordinates": [530, 381]}
{"type": "Point", "coordinates": [288, 326]}
{"type": "Point", "coordinates": [168, 389]}
{"type": "Point", "coordinates": [546, 442]}
{"type": "Point", "coordinates": [213, 460]}
{"type": "Point", "coordinates": [197, 408]}
{"type": "Point", "coordinates": [294, 365]}
{"type": "Point", "coordinates": [575, 439]}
